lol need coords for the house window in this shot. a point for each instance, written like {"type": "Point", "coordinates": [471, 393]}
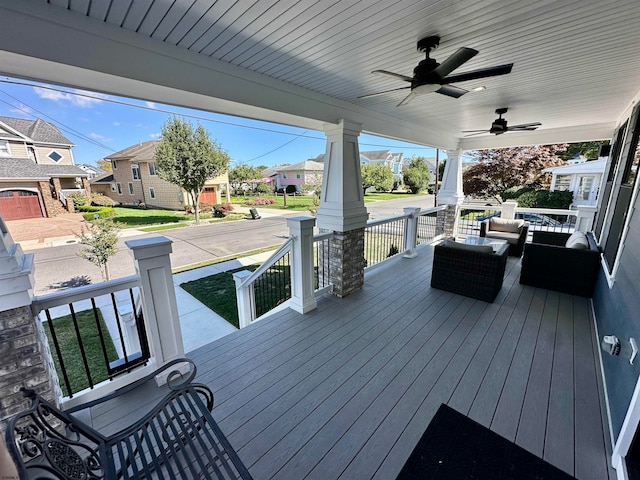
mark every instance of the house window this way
{"type": "Point", "coordinates": [113, 187]}
{"type": "Point", "coordinates": [298, 175]}
{"type": "Point", "coordinates": [55, 156]}
{"type": "Point", "coordinates": [152, 169]}
{"type": "Point", "coordinates": [119, 187]}
{"type": "Point", "coordinates": [135, 171]}
{"type": "Point", "coordinates": [284, 175]}
{"type": "Point", "coordinates": [152, 193]}
{"type": "Point", "coordinates": [584, 188]}
{"type": "Point", "coordinates": [114, 165]}
{"type": "Point", "coordinates": [563, 182]}
{"type": "Point", "coordinates": [130, 188]}
{"type": "Point", "coordinates": [4, 148]}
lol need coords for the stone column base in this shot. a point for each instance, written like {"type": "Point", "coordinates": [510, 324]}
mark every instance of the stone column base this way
{"type": "Point", "coordinates": [446, 221]}
{"type": "Point", "coordinates": [347, 262]}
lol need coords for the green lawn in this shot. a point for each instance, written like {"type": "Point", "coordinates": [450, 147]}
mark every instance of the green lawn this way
{"type": "Point", "coordinates": [71, 355]}
{"type": "Point", "coordinates": [218, 292]}
{"type": "Point", "coordinates": [294, 202]}
{"type": "Point", "coordinates": [136, 217]}
{"type": "Point", "coordinates": [372, 197]}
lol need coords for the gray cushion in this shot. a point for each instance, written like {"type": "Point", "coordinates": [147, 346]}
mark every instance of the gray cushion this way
{"type": "Point", "coordinates": [577, 240]}
{"type": "Point", "coordinates": [505, 225]}
{"type": "Point", "coordinates": [467, 247]}
{"type": "Point", "coordinates": [512, 238]}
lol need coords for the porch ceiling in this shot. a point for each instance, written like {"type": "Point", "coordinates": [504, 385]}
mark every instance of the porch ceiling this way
{"type": "Point", "coordinates": [576, 62]}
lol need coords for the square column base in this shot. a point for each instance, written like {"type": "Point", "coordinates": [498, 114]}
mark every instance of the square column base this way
{"type": "Point", "coordinates": [347, 262]}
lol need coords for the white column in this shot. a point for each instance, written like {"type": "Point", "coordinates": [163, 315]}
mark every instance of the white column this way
{"type": "Point", "coordinates": [451, 191]}
{"type": "Point", "coordinates": [509, 209]}
{"type": "Point", "coordinates": [158, 296]}
{"type": "Point", "coordinates": [302, 297]}
{"type": "Point", "coordinates": [411, 231]}
{"type": "Point", "coordinates": [16, 272]}
{"type": "Point", "coordinates": [584, 222]}
{"type": "Point", "coordinates": [342, 199]}
{"type": "Point", "coordinates": [245, 298]}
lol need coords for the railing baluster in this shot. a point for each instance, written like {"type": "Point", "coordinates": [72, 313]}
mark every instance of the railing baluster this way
{"type": "Point", "coordinates": [56, 345]}
{"type": "Point", "coordinates": [83, 354]}
{"type": "Point", "coordinates": [117, 314]}
{"type": "Point", "coordinates": [103, 345]}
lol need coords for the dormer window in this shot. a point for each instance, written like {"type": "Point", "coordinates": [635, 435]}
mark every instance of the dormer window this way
{"type": "Point", "coordinates": [135, 172]}
{"type": "Point", "coordinates": [55, 156]}
{"type": "Point", "coordinates": [4, 149]}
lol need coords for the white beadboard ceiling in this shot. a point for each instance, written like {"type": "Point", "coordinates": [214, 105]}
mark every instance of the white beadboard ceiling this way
{"type": "Point", "coordinates": [305, 62]}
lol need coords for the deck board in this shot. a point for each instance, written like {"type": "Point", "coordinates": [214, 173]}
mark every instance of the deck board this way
{"type": "Point", "coordinates": [347, 390]}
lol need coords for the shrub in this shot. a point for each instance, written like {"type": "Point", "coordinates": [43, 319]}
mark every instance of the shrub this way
{"type": "Point", "coordinates": [263, 188]}
{"type": "Point", "coordinates": [102, 200]}
{"type": "Point", "coordinates": [260, 201]}
{"type": "Point", "coordinates": [515, 192]}
{"type": "Point", "coordinates": [546, 199]}
{"type": "Point", "coordinates": [79, 199]}
{"type": "Point", "coordinates": [222, 209]}
{"type": "Point", "coordinates": [205, 206]}
{"type": "Point", "coordinates": [101, 212]}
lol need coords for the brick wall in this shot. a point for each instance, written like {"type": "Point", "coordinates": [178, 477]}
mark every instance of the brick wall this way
{"type": "Point", "coordinates": [52, 206]}
{"type": "Point", "coordinates": [446, 219]}
{"type": "Point", "coordinates": [26, 361]}
{"type": "Point", "coordinates": [347, 262]}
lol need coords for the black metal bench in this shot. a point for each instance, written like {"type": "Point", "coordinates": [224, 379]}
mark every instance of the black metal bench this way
{"type": "Point", "coordinates": [177, 439]}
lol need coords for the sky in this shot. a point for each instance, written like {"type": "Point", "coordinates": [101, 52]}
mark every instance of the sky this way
{"type": "Point", "coordinates": [101, 124]}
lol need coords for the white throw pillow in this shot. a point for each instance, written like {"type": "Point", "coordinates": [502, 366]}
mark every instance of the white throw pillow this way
{"type": "Point", "coordinates": [577, 240]}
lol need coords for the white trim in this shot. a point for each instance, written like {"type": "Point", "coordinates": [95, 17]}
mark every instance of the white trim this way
{"type": "Point", "coordinates": [8, 144]}
{"type": "Point", "coordinates": [152, 193]}
{"type": "Point", "coordinates": [131, 189]}
{"type": "Point", "coordinates": [135, 167]}
{"type": "Point", "coordinates": [604, 383]}
{"type": "Point", "coordinates": [119, 188]}
{"type": "Point", "coordinates": [628, 430]}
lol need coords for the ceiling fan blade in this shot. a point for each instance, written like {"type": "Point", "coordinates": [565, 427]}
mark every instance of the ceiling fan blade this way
{"type": "Point", "coordinates": [381, 93]}
{"type": "Point", "coordinates": [462, 55]}
{"type": "Point", "coordinates": [394, 75]}
{"type": "Point", "coordinates": [481, 73]}
{"type": "Point", "coordinates": [479, 132]}
{"type": "Point", "coordinates": [526, 125]}
{"type": "Point", "coordinates": [451, 91]}
{"type": "Point", "coordinates": [475, 131]}
{"type": "Point", "coordinates": [523, 129]}
{"type": "Point", "coordinates": [407, 99]}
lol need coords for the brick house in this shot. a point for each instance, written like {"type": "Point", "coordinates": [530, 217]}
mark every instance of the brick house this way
{"type": "Point", "coordinates": [134, 179]}
{"type": "Point", "coordinates": [37, 170]}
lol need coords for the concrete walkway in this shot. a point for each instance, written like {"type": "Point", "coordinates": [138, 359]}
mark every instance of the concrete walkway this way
{"type": "Point", "coordinates": [201, 325]}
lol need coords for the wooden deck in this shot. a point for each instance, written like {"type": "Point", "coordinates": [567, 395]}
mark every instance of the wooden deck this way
{"type": "Point", "coordinates": [347, 390]}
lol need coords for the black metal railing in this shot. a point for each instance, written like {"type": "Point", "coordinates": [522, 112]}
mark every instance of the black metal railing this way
{"type": "Point", "coordinates": [273, 287]}
{"type": "Point", "coordinates": [427, 227]}
{"type": "Point", "coordinates": [94, 333]}
{"type": "Point", "coordinates": [384, 239]}
{"type": "Point", "coordinates": [469, 219]}
{"type": "Point", "coordinates": [321, 261]}
{"type": "Point", "coordinates": [546, 219]}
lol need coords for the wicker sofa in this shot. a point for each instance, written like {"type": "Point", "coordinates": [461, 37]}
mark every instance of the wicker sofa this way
{"type": "Point", "coordinates": [470, 270]}
{"type": "Point", "coordinates": [513, 231]}
{"type": "Point", "coordinates": [548, 263]}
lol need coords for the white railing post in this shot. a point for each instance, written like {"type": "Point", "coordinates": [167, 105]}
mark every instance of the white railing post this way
{"type": "Point", "coordinates": [509, 209]}
{"type": "Point", "coordinates": [158, 296]}
{"type": "Point", "coordinates": [411, 231]}
{"type": "Point", "coordinates": [584, 220]}
{"type": "Point", "coordinates": [245, 297]}
{"type": "Point", "coordinates": [301, 231]}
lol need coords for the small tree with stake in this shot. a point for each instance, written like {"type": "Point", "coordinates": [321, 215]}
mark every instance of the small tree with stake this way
{"type": "Point", "coordinates": [187, 157]}
{"type": "Point", "coordinates": [101, 239]}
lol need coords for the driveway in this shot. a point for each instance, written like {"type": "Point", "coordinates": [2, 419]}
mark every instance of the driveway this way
{"type": "Point", "coordinates": [35, 230]}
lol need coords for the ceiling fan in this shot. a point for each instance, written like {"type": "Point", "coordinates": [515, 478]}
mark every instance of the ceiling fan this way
{"type": "Point", "coordinates": [430, 76]}
{"type": "Point", "coordinates": [499, 126]}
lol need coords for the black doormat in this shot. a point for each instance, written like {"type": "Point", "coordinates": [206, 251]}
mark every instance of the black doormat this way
{"type": "Point", "coordinates": [454, 447]}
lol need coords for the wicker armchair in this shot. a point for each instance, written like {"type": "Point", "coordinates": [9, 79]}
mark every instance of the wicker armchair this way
{"type": "Point", "coordinates": [547, 263]}
{"type": "Point", "coordinates": [469, 270]}
{"type": "Point", "coordinates": [513, 231]}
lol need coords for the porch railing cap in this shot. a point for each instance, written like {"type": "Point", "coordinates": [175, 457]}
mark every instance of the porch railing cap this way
{"type": "Point", "coordinates": [149, 247]}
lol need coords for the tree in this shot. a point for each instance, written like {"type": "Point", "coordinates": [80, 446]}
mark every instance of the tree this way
{"type": "Point", "coordinates": [104, 164]}
{"type": "Point", "coordinates": [242, 173]}
{"type": "Point", "coordinates": [416, 175]}
{"type": "Point", "coordinates": [500, 169]}
{"type": "Point", "coordinates": [314, 186]}
{"type": "Point", "coordinates": [376, 175]}
{"type": "Point", "coordinates": [588, 149]}
{"type": "Point", "coordinates": [101, 239]}
{"type": "Point", "coordinates": [187, 157]}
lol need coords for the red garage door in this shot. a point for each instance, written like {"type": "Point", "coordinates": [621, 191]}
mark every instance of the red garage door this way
{"type": "Point", "coordinates": [209, 195]}
{"type": "Point", "coordinates": [18, 204]}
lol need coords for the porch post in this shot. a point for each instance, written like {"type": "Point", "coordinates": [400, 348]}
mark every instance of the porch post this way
{"type": "Point", "coordinates": [246, 299]}
{"type": "Point", "coordinates": [586, 214]}
{"type": "Point", "coordinates": [26, 359]}
{"type": "Point", "coordinates": [342, 207]}
{"type": "Point", "coordinates": [158, 296]}
{"type": "Point", "coordinates": [451, 193]}
{"type": "Point", "coordinates": [302, 297]}
{"type": "Point", "coordinates": [411, 231]}
{"type": "Point", "coordinates": [509, 209]}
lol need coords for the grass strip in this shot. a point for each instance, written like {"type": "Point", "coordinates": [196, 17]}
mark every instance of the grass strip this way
{"type": "Point", "coordinates": [163, 227]}
{"type": "Point", "coordinates": [71, 356]}
{"type": "Point", "coordinates": [206, 263]}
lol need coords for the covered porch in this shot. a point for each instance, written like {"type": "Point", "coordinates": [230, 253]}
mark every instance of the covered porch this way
{"type": "Point", "coordinates": [347, 390]}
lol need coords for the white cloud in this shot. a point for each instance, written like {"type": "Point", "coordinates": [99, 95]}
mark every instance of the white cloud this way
{"type": "Point", "coordinates": [71, 97]}
{"type": "Point", "coordinates": [150, 105]}
{"type": "Point", "coordinates": [155, 135]}
{"type": "Point", "coordinates": [117, 124]}
{"type": "Point", "coordinates": [23, 110]}
{"type": "Point", "coordinates": [98, 137]}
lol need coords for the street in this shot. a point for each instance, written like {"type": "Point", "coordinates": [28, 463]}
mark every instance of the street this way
{"type": "Point", "coordinates": [60, 267]}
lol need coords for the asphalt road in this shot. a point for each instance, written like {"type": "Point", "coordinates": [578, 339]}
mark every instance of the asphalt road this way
{"type": "Point", "coordinates": [60, 267]}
